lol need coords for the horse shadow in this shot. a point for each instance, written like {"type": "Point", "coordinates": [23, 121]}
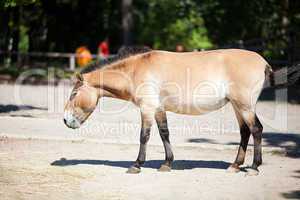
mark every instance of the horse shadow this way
{"type": "Point", "coordinates": [12, 108]}
{"type": "Point", "coordinates": [153, 164]}
{"type": "Point", "coordinates": [294, 194]}
{"type": "Point", "coordinates": [290, 142]}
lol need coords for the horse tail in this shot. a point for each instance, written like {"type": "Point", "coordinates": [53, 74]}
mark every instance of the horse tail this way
{"type": "Point", "coordinates": [283, 77]}
{"type": "Point", "coordinates": [269, 74]}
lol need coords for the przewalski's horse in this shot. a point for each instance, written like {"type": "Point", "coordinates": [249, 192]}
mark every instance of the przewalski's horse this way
{"type": "Point", "coordinates": [191, 83]}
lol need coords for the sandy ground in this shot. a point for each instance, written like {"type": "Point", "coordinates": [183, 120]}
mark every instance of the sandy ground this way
{"type": "Point", "coordinates": [41, 169]}
{"type": "Point", "coordinates": [42, 159]}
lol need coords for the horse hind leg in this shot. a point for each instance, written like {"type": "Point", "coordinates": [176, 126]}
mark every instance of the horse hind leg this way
{"type": "Point", "coordinates": [244, 101]}
{"type": "Point", "coordinates": [245, 134]}
{"type": "Point", "coordinates": [255, 127]}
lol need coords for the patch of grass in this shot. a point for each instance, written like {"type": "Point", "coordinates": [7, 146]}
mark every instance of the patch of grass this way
{"type": "Point", "coordinates": [52, 72]}
{"type": "Point", "coordinates": [12, 71]}
{"type": "Point", "coordinates": [278, 152]}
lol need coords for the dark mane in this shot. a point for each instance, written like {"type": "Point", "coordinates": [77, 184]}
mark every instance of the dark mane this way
{"type": "Point", "coordinates": [123, 53]}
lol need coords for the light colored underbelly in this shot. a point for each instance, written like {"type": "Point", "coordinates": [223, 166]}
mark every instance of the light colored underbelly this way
{"type": "Point", "coordinates": [197, 107]}
{"type": "Point", "coordinates": [198, 100]}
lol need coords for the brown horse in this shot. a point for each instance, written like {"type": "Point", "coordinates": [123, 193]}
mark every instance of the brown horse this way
{"type": "Point", "coordinates": [188, 83]}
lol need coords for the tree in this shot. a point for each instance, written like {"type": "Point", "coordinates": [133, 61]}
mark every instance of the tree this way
{"type": "Point", "coordinates": [165, 23]}
{"type": "Point", "coordinates": [127, 22]}
{"type": "Point", "coordinates": [63, 25]}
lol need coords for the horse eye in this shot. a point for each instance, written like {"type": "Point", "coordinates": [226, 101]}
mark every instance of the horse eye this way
{"type": "Point", "coordinates": [73, 94]}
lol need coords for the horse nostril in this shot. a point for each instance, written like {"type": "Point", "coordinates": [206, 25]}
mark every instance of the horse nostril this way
{"type": "Point", "coordinates": [65, 121]}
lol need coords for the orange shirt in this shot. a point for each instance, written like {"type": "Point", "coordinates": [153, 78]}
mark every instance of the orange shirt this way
{"type": "Point", "coordinates": [83, 56]}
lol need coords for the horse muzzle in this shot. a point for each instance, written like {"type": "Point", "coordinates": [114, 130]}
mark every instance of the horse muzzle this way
{"type": "Point", "coordinates": [71, 121]}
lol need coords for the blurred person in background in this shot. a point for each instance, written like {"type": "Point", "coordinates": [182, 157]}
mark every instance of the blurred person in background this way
{"type": "Point", "coordinates": [103, 49]}
{"type": "Point", "coordinates": [180, 48]}
{"type": "Point", "coordinates": [83, 56]}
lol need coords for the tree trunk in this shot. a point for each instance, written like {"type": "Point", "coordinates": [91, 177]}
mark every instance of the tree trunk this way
{"type": "Point", "coordinates": [15, 32]}
{"type": "Point", "coordinates": [127, 22]}
{"type": "Point", "coordinates": [285, 22]}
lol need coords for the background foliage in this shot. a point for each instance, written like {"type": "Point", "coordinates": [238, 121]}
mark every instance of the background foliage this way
{"type": "Point", "coordinates": [271, 27]}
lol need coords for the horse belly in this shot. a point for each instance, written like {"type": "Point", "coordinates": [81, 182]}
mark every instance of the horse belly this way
{"type": "Point", "coordinates": [196, 108]}
{"type": "Point", "coordinates": [199, 100]}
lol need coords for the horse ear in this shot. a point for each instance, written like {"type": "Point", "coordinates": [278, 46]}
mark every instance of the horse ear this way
{"type": "Point", "coordinates": [79, 76]}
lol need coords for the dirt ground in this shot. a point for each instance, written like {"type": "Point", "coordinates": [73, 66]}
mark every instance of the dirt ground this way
{"type": "Point", "coordinates": [42, 169]}
{"type": "Point", "coordinates": [42, 159]}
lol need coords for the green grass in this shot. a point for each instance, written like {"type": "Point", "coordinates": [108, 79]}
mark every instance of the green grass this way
{"type": "Point", "coordinates": [16, 72]}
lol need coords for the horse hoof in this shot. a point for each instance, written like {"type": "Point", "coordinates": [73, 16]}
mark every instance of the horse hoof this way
{"type": "Point", "coordinates": [164, 168]}
{"type": "Point", "coordinates": [252, 172]}
{"type": "Point", "coordinates": [133, 170]}
{"type": "Point", "coordinates": [233, 169]}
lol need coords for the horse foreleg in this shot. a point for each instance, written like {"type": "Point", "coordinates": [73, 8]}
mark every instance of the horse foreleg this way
{"type": "Point", "coordinates": [161, 120]}
{"type": "Point", "coordinates": [144, 137]}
